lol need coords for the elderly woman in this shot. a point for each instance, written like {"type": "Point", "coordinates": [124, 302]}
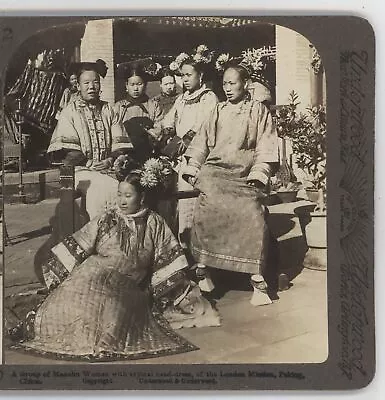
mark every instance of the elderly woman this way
{"type": "Point", "coordinates": [230, 162]}
{"type": "Point", "coordinates": [88, 136]}
{"type": "Point", "coordinates": [185, 119]}
{"type": "Point", "coordinates": [108, 284]}
{"type": "Point", "coordinates": [87, 132]}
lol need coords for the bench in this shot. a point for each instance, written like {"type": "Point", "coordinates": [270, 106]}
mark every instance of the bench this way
{"type": "Point", "coordinates": [70, 202]}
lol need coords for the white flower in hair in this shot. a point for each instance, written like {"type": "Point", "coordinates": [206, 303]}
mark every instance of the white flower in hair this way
{"type": "Point", "coordinates": [148, 179]}
{"type": "Point", "coordinates": [202, 54]}
{"type": "Point", "coordinates": [221, 61]}
{"type": "Point", "coordinates": [181, 58]}
{"type": "Point", "coordinates": [202, 48]}
{"type": "Point", "coordinates": [174, 66]}
{"type": "Point", "coordinates": [198, 57]}
{"type": "Point", "coordinates": [156, 173]}
{"type": "Point", "coordinates": [153, 164]}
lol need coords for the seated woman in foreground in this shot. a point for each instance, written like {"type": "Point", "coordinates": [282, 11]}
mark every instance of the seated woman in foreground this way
{"type": "Point", "coordinates": [116, 288]}
{"type": "Point", "coordinates": [230, 162]}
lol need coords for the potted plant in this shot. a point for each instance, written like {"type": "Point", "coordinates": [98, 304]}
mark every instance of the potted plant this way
{"type": "Point", "coordinates": [309, 145]}
{"type": "Point", "coordinates": [285, 184]}
{"type": "Point", "coordinates": [307, 134]}
{"type": "Point", "coordinates": [286, 193]}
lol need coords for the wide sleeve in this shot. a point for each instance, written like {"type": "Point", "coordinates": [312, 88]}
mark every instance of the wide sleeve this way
{"type": "Point", "coordinates": [169, 259]}
{"type": "Point", "coordinates": [207, 105]}
{"type": "Point", "coordinates": [266, 157]}
{"type": "Point", "coordinates": [169, 120]}
{"type": "Point", "coordinates": [201, 145]}
{"type": "Point", "coordinates": [156, 117]}
{"type": "Point", "coordinates": [65, 99]}
{"type": "Point", "coordinates": [65, 135]}
{"type": "Point", "coordinates": [121, 142]}
{"type": "Point", "coordinates": [72, 251]}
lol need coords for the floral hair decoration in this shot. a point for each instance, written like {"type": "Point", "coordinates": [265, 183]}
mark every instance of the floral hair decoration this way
{"type": "Point", "coordinates": [202, 55]}
{"type": "Point", "coordinates": [255, 61]}
{"type": "Point", "coordinates": [222, 60]}
{"type": "Point", "coordinates": [154, 174]}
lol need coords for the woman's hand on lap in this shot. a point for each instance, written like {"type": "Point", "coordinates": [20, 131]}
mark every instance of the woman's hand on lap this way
{"type": "Point", "coordinates": [102, 165]}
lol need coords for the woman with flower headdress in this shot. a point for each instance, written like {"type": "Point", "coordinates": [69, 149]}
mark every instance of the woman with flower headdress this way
{"type": "Point", "coordinates": [190, 111]}
{"type": "Point", "coordinates": [230, 162]}
{"type": "Point", "coordinates": [118, 287]}
{"type": "Point", "coordinates": [257, 61]}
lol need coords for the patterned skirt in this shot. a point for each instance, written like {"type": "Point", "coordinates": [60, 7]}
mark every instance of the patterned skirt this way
{"type": "Point", "coordinates": [229, 230]}
{"type": "Point", "coordinates": [99, 314]}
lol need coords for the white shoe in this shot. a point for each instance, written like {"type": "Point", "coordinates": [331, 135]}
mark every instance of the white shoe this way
{"type": "Point", "coordinates": [205, 283]}
{"type": "Point", "coordinates": [260, 296]}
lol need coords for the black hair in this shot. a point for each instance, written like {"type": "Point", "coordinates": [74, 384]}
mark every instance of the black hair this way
{"type": "Point", "coordinates": [136, 70]}
{"type": "Point", "coordinates": [125, 165]}
{"type": "Point", "coordinates": [133, 178]}
{"type": "Point", "coordinates": [242, 71]}
{"type": "Point", "coordinates": [85, 69]}
{"type": "Point", "coordinates": [166, 71]}
{"type": "Point", "coordinates": [101, 67]}
{"type": "Point", "coordinates": [199, 67]}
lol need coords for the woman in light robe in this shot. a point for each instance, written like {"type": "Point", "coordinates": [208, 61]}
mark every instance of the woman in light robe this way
{"type": "Point", "coordinates": [190, 112]}
{"type": "Point", "coordinates": [230, 162]}
{"type": "Point", "coordinates": [88, 136]}
{"type": "Point", "coordinates": [88, 132]}
{"type": "Point", "coordinates": [116, 289]}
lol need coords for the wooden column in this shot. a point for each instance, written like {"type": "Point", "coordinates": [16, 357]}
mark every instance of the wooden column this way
{"type": "Point", "coordinates": [316, 89]}
{"type": "Point", "coordinates": [316, 78]}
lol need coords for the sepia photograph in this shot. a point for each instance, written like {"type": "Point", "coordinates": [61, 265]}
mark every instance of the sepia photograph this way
{"type": "Point", "coordinates": [165, 194]}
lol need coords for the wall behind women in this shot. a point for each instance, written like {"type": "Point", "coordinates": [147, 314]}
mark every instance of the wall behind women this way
{"type": "Point", "coordinates": [97, 42]}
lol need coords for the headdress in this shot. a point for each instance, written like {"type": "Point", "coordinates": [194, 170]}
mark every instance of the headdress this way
{"type": "Point", "coordinates": [222, 61]}
{"type": "Point", "coordinates": [155, 173]}
{"type": "Point", "coordinates": [202, 55]}
{"type": "Point", "coordinates": [146, 67]}
{"type": "Point", "coordinates": [98, 66]}
{"type": "Point", "coordinates": [255, 62]}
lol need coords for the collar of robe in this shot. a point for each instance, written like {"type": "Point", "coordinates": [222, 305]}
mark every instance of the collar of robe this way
{"type": "Point", "coordinates": [80, 102]}
{"type": "Point", "coordinates": [141, 213]}
{"type": "Point", "coordinates": [195, 96]}
{"type": "Point", "coordinates": [131, 102]}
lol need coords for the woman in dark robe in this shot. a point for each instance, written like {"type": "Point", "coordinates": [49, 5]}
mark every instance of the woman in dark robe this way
{"type": "Point", "coordinates": [168, 90]}
{"type": "Point", "coordinates": [137, 113]}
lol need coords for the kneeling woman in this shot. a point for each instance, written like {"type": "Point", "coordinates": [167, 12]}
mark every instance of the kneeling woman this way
{"type": "Point", "coordinates": [230, 162]}
{"type": "Point", "coordinates": [107, 283]}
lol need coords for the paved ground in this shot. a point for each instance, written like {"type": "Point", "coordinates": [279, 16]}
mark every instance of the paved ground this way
{"type": "Point", "coordinates": [291, 330]}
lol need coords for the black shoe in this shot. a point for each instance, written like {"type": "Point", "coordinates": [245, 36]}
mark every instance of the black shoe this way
{"type": "Point", "coordinates": [283, 282]}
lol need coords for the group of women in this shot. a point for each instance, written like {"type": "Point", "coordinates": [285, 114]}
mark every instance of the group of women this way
{"type": "Point", "coordinates": [120, 286]}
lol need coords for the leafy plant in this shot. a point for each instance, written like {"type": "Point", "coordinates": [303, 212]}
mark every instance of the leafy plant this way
{"type": "Point", "coordinates": [307, 133]}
